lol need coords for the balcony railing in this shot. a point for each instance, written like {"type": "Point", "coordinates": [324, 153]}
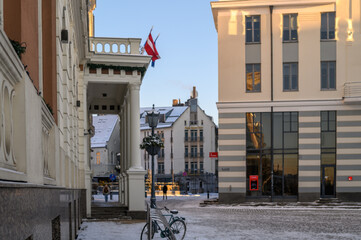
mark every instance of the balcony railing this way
{"type": "Point", "coordinates": [115, 46]}
{"type": "Point", "coordinates": [352, 91]}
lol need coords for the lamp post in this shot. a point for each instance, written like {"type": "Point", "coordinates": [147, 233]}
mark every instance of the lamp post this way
{"type": "Point", "coordinates": [153, 117]}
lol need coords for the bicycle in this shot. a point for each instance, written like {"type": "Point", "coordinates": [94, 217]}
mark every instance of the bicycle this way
{"type": "Point", "coordinates": [176, 224]}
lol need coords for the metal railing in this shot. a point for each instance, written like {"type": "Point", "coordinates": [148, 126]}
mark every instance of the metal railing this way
{"type": "Point", "coordinates": [115, 46]}
{"type": "Point", "coordinates": [352, 90]}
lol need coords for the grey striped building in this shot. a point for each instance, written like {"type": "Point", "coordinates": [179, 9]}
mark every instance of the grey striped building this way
{"type": "Point", "coordinates": [289, 100]}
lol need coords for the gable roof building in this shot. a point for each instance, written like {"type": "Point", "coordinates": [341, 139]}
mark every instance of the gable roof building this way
{"type": "Point", "coordinates": [189, 134]}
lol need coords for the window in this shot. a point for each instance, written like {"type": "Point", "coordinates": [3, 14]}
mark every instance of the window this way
{"type": "Point", "coordinates": [328, 75]}
{"type": "Point", "coordinates": [186, 151]}
{"type": "Point", "coordinates": [98, 157]}
{"type": "Point", "coordinates": [193, 135]}
{"type": "Point", "coordinates": [185, 122]}
{"type": "Point", "coordinates": [201, 151]}
{"type": "Point", "coordinates": [290, 27]}
{"type": "Point", "coordinates": [281, 157]}
{"type": "Point", "coordinates": [253, 29]}
{"type": "Point", "coordinates": [290, 76]}
{"type": "Point", "coordinates": [253, 77]}
{"type": "Point", "coordinates": [185, 135]}
{"type": "Point", "coordinates": [328, 25]}
{"type": "Point", "coordinates": [186, 167]}
{"type": "Point", "coordinates": [161, 153]}
{"type": "Point", "coordinates": [194, 151]}
{"type": "Point", "coordinates": [194, 167]}
{"type": "Point", "coordinates": [160, 167]}
{"type": "Point", "coordinates": [200, 135]}
{"type": "Point", "coordinates": [201, 167]}
{"type": "Point", "coordinates": [328, 132]}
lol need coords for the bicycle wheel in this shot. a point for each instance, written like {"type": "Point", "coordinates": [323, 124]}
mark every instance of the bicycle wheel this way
{"type": "Point", "coordinates": [179, 229]}
{"type": "Point", "coordinates": [144, 235]}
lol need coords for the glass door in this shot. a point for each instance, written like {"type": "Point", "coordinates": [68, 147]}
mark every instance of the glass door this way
{"type": "Point", "coordinates": [328, 185]}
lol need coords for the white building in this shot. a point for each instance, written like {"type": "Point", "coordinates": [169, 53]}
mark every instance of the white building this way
{"type": "Point", "coordinates": [188, 135]}
{"type": "Point", "coordinates": [48, 95]}
{"type": "Point", "coordinates": [105, 146]}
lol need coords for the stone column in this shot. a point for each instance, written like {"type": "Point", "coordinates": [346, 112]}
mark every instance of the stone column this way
{"type": "Point", "coordinates": [135, 128]}
{"type": "Point", "coordinates": [128, 132]}
{"type": "Point", "coordinates": [135, 184]}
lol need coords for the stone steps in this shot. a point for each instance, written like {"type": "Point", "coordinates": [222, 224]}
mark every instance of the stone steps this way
{"type": "Point", "coordinates": [109, 212]}
{"type": "Point", "coordinates": [208, 202]}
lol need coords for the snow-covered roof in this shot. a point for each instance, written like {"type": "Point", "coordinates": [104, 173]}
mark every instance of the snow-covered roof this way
{"type": "Point", "coordinates": [104, 126]}
{"type": "Point", "coordinates": [171, 115]}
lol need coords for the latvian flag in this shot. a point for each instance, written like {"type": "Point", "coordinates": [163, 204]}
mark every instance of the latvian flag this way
{"type": "Point", "coordinates": [151, 49]}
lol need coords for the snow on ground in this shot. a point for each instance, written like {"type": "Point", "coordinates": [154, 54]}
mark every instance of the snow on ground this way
{"type": "Point", "coordinates": [243, 221]}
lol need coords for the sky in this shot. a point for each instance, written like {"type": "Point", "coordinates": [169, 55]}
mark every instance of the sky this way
{"type": "Point", "coordinates": [187, 46]}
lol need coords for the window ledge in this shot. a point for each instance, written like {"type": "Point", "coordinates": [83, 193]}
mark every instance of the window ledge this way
{"type": "Point", "coordinates": [328, 89]}
{"type": "Point", "coordinates": [328, 40]}
{"type": "Point", "coordinates": [253, 91]}
{"type": "Point", "coordinates": [252, 43]}
{"type": "Point", "coordinates": [290, 90]}
{"type": "Point", "coordinates": [291, 41]}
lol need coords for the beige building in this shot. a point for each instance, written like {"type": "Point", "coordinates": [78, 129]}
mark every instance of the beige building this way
{"type": "Point", "coordinates": [289, 99]}
{"type": "Point", "coordinates": [47, 97]}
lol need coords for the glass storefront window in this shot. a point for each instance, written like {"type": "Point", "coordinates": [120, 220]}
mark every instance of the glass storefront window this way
{"type": "Point", "coordinates": [285, 152]}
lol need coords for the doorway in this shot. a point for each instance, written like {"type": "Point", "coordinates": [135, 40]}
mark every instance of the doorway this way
{"type": "Point", "coordinates": [328, 177]}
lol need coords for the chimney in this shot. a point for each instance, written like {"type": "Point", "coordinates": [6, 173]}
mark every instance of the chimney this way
{"type": "Point", "coordinates": [175, 102]}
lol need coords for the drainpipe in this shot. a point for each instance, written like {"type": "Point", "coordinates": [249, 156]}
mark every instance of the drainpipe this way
{"type": "Point", "coordinates": [271, 22]}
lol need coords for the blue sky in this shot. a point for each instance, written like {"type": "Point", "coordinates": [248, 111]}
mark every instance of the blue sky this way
{"type": "Point", "coordinates": [187, 45]}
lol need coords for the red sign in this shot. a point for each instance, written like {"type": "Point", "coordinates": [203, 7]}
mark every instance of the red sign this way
{"type": "Point", "coordinates": [350, 178]}
{"type": "Point", "coordinates": [253, 182]}
{"type": "Point", "coordinates": [213, 154]}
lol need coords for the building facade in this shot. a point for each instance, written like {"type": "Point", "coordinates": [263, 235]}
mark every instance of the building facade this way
{"type": "Point", "coordinates": [47, 96]}
{"type": "Point", "coordinates": [289, 100]}
{"type": "Point", "coordinates": [188, 135]}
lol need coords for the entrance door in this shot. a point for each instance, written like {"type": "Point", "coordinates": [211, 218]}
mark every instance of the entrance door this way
{"type": "Point", "coordinates": [328, 185]}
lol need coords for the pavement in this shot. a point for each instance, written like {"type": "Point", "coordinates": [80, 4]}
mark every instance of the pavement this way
{"type": "Point", "coordinates": [245, 221]}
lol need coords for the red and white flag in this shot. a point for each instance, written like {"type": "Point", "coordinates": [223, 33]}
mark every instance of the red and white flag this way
{"type": "Point", "coordinates": [151, 49]}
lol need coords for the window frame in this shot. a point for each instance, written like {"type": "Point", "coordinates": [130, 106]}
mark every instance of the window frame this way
{"type": "Point", "coordinates": [253, 29]}
{"type": "Point", "coordinates": [289, 28]}
{"type": "Point", "coordinates": [290, 77]}
{"type": "Point", "coordinates": [328, 76]}
{"type": "Point", "coordinates": [328, 27]}
{"type": "Point", "coordinates": [253, 78]}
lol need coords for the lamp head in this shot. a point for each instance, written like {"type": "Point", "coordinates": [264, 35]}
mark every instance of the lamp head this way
{"type": "Point", "coordinates": [153, 117]}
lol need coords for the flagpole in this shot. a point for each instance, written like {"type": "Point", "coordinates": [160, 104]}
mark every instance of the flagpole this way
{"type": "Point", "coordinates": [156, 38]}
{"type": "Point", "coordinates": [151, 30]}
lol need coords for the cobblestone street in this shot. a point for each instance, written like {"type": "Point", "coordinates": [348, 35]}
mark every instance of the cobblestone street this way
{"type": "Point", "coordinates": [249, 222]}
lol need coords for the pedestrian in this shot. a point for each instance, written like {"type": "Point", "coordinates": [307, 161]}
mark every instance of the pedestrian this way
{"type": "Point", "coordinates": [106, 192]}
{"type": "Point", "coordinates": [165, 189]}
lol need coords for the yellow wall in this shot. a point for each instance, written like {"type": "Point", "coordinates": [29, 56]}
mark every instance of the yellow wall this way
{"type": "Point", "coordinates": [231, 47]}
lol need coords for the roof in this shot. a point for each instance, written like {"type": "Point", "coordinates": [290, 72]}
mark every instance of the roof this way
{"type": "Point", "coordinates": [171, 115]}
{"type": "Point", "coordinates": [104, 126]}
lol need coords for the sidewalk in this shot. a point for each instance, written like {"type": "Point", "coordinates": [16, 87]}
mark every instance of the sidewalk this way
{"type": "Point", "coordinates": [243, 221]}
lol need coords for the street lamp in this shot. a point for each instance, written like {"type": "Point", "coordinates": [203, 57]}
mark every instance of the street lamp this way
{"type": "Point", "coordinates": [153, 117]}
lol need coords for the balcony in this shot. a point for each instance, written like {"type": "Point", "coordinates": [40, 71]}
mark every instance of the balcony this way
{"type": "Point", "coordinates": [352, 92]}
{"type": "Point", "coordinates": [115, 46]}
